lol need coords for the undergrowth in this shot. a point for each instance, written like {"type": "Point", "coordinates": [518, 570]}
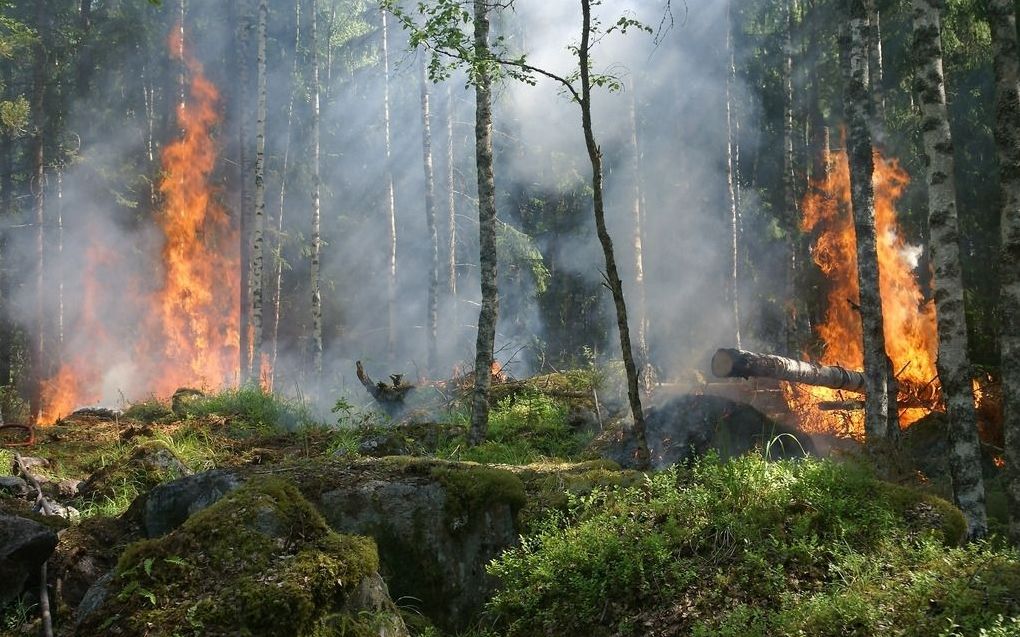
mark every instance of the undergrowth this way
{"type": "Point", "coordinates": [750, 547]}
{"type": "Point", "coordinates": [523, 428]}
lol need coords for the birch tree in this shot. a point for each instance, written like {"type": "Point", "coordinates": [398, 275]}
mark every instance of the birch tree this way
{"type": "Point", "coordinates": [1002, 18]}
{"type": "Point", "coordinates": [260, 195]}
{"type": "Point", "coordinates": [316, 238]}
{"type": "Point", "coordinates": [278, 249]}
{"type": "Point", "coordinates": [880, 420]}
{"type": "Point", "coordinates": [391, 210]}
{"type": "Point", "coordinates": [430, 220]}
{"type": "Point", "coordinates": [953, 362]}
{"type": "Point", "coordinates": [38, 177]}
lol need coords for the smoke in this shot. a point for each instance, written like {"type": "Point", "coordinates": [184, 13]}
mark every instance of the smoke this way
{"type": "Point", "coordinates": [111, 257]}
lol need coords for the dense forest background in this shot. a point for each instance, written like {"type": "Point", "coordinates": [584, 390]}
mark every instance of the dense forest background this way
{"type": "Point", "coordinates": [91, 87]}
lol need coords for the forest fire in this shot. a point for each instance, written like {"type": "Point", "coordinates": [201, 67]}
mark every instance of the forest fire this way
{"type": "Point", "coordinates": [192, 315]}
{"type": "Point", "coordinates": [910, 328]}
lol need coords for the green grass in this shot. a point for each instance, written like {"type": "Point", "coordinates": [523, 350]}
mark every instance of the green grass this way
{"type": "Point", "coordinates": [750, 547]}
{"type": "Point", "coordinates": [523, 429]}
{"type": "Point", "coordinates": [249, 410]}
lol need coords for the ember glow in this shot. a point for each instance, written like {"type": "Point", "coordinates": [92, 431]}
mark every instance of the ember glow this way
{"type": "Point", "coordinates": [190, 336]}
{"type": "Point", "coordinates": [910, 330]}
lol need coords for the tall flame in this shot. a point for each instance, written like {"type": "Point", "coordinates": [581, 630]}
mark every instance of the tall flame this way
{"type": "Point", "coordinates": [190, 335]}
{"type": "Point", "coordinates": [911, 336]}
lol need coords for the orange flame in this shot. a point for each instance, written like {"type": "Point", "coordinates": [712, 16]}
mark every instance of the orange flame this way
{"type": "Point", "coordinates": [909, 318]}
{"type": "Point", "coordinates": [190, 336]}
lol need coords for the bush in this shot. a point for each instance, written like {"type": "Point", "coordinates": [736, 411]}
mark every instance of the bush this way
{"type": "Point", "coordinates": [249, 409]}
{"type": "Point", "coordinates": [750, 547]}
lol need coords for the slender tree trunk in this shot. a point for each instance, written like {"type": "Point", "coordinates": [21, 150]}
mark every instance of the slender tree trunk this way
{"type": "Point", "coordinates": [39, 199]}
{"type": "Point", "coordinates": [451, 211]}
{"type": "Point", "coordinates": [612, 275]}
{"type": "Point", "coordinates": [953, 362]}
{"type": "Point", "coordinates": [316, 216]}
{"type": "Point", "coordinates": [489, 312]}
{"type": "Point", "coordinates": [59, 270]}
{"type": "Point", "coordinates": [1002, 18]}
{"type": "Point", "coordinates": [875, 58]}
{"type": "Point", "coordinates": [391, 209]}
{"type": "Point", "coordinates": [244, 218]}
{"type": "Point", "coordinates": [790, 212]}
{"type": "Point", "coordinates": [278, 252]}
{"type": "Point", "coordinates": [647, 374]}
{"type": "Point", "coordinates": [430, 222]}
{"type": "Point", "coordinates": [182, 89]}
{"type": "Point", "coordinates": [149, 97]}
{"type": "Point", "coordinates": [734, 213]}
{"type": "Point", "coordinates": [880, 417]}
{"type": "Point", "coordinates": [257, 286]}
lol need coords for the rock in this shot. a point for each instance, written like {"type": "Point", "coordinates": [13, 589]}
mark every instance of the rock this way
{"type": "Point", "coordinates": [691, 425]}
{"type": "Point", "coordinates": [31, 461]}
{"type": "Point", "coordinates": [184, 397]}
{"type": "Point", "coordinates": [168, 505]}
{"type": "Point", "coordinates": [148, 465]}
{"type": "Point", "coordinates": [437, 525]}
{"type": "Point", "coordinates": [15, 486]}
{"type": "Point", "coordinates": [69, 488]}
{"type": "Point", "coordinates": [94, 597]}
{"type": "Point", "coordinates": [390, 444]}
{"type": "Point", "coordinates": [59, 510]}
{"type": "Point", "coordinates": [24, 546]}
{"type": "Point", "coordinates": [260, 562]}
{"type": "Point", "coordinates": [86, 552]}
{"type": "Point", "coordinates": [97, 413]}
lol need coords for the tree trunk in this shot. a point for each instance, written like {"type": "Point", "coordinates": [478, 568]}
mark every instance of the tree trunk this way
{"type": "Point", "coordinates": [278, 251]}
{"type": "Point", "coordinates": [59, 270]}
{"type": "Point", "coordinates": [260, 197]}
{"type": "Point", "coordinates": [391, 209]}
{"type": "Point", "coordinates": [875, 59]}
{"type": "Point", "coordinates": [612, 275]}
{"type": "Point", "coordinates": [244, 215]}
{"type": "Point", "coordinates": [1002, 18]}
{"type": "Point", "coordinates": [736, 363]}
{"type": "Point", "coordinates": [647, 375]}
{"type": "Point", "coordinates": [792, 218]}
{"type": "Point", "coordinates": [489, 312]}
{"type": "Point", "coordinates": [39, 200]}
{"type": "Point", "coordinates": [430, 222]}
{"type": "Point", "coordinates": [733, 290]}
{"type": "Point", "coordinates": [953, 361]}
{"type": "Point", "coordinates": [880, 420]}
{"type": "Point", "coordinates": [451, 211]}
{"type": "Point", "coordinates": [316, 216]}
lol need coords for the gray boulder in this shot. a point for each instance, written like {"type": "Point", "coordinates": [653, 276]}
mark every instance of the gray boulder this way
{"type": "Point", "coordinates": [170, 504]}
{"type": "Point", "coordinates": [692, 425]}
{"type": "Point", "coordinates": [436, 524]}
{"type": "Point", "coordinates": [25, 545]}
{"type": "Point", "coordinates": [15, 486]}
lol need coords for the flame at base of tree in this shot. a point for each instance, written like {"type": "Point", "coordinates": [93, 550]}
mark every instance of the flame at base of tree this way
{"type": "Point", "coordinates": [911, 333]}
{"type": "Point", "coordinates": [190, 335]}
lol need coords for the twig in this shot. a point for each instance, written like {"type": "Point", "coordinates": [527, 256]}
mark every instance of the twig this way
{"type": "Point", "coordinates": [44, 603]}
{"type": "Point", "coordinates": [40, 501]}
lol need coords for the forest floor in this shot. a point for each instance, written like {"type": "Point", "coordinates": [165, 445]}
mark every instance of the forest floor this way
{"type": "Point", "coordinates": [541, 520]}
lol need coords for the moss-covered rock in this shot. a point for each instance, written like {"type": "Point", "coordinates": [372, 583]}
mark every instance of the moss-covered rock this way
{"type": "Point", "coordinates": [550, 486]}
{"type": "Point", "coordinates": [261, 561]}
{"type": "Point", "coordinates": [437, 525]}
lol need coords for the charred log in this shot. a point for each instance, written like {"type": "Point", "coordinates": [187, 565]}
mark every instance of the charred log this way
{"type": "Point", "coordinates": [734, 363]}
{"type": "Point", "coordinates": [388, 396]}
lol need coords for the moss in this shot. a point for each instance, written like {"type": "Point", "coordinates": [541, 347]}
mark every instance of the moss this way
{"type": "Point", "coordinates": [471, 487]}
{"type": "Point", "coordinates": [926, 512]}
{"type": "Point", "coordinates": [151, 410]}
{"type": "Point", "coordinates": [261, 561]}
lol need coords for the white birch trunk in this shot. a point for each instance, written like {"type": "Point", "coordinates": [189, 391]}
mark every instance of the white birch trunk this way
{"type": "Point", "coordinates": [1002, 18]}
{"type": "Point", "coordinates": [953, 361]}
{"type": "Point", "coordinates": [880, 416]}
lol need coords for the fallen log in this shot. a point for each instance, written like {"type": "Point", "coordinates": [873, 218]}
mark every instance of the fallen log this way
{"type": "Point", "coordinates": [736, 363]}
